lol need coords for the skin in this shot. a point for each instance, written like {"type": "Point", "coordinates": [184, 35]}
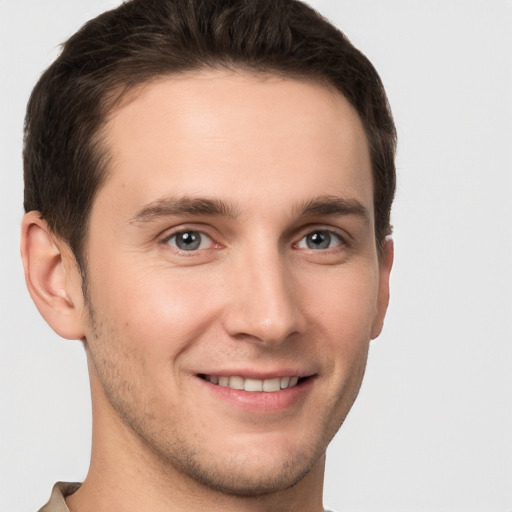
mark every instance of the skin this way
{"type": "Point", "coordinates": [259, 297]}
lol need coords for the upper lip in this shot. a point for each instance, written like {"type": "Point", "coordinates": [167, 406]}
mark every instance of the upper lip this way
{"type": "Point", "coordinates": [259, 374]}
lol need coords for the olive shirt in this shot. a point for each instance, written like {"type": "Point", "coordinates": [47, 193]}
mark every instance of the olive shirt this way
{"type": "Point", "coordinates": [60, 490]}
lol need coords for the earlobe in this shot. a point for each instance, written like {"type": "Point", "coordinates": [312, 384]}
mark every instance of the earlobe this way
{"type": "Point", "coordinates": [52, 278]}
{"type": "Point", "coordinates": [385, 265]}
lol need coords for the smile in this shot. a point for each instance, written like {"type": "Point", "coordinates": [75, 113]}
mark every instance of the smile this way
{"type": "Point", "coordinates": [253, 385]}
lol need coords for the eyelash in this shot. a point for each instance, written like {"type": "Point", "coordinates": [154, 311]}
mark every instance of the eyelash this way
{"type": "Point", "coordinates": [327, 234]}
{"type": "Point", "coordinates": [189, 232]}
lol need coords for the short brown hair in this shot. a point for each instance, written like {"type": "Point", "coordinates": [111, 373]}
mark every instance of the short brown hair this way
{"type": "Point", "coordinates": [64, 159]}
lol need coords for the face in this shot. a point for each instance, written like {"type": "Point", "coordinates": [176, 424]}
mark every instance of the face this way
{"type": "Point", "coordinates": [234, 283]}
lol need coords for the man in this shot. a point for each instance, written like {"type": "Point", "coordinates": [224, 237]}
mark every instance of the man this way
{"type": "Point", "coordinates": [208, 194]}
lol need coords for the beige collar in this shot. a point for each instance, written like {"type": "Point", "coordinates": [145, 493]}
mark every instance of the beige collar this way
{"type": "Point", "coordinates": [60, 490]}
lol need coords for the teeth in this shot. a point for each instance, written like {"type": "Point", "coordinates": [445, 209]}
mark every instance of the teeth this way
{"type": "Point", "coordinates": [254, 385]}
{"type": "Point", "coordinates": [236, 382]}
{"type": "Point", "coordinates": [270, 385]}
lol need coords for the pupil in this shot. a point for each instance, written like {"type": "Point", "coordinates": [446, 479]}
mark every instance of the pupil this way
{"type": "Point", "coordinates": [188, 241]}
{"type": "Point", "coordinates": [319, 240]}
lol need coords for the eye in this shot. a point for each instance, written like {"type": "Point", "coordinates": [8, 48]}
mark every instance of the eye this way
{"type": "Point", "coordinates": [320, 240]}
{"type": "Point", "coordinates": [190, 241]}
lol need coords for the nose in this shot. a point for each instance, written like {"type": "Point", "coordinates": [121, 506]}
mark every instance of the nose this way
{"type": "Point", "coordinates": [263, 299]}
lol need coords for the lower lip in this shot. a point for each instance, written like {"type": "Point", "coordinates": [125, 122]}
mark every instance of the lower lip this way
{"type": "Point", "coordinates": [261, 402]}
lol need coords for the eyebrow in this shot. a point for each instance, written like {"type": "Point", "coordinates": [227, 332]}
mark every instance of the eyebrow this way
{"type": "Point", "coordinates": [169, 206]}
{"type": "Point", "coordinates": [333, 205]}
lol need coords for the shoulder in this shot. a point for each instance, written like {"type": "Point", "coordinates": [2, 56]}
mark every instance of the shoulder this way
{"type": "Point", "coordinates": [57, 502]}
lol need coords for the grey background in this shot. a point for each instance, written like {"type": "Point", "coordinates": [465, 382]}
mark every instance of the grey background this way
{"type": "Point", "coordinates": [432, 427]}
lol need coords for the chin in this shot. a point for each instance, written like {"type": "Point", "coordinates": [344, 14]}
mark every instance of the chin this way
{"type": "Point", "coordinates": [251, 478]}
{"type": "Point", "coordinates": [250, 469]}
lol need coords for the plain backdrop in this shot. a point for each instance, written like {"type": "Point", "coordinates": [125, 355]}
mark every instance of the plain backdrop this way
{"type": "Point", "coordinates": [432, 427]}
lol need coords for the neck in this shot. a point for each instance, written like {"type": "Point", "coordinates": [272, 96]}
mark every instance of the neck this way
{"type": "Point", "coordinates": [118, 481]}
{"type": "Point", "coordinates": [125, 475]}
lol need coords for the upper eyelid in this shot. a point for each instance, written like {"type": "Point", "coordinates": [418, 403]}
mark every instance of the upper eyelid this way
{"type": "Point", "coordinates": [343, 234]}
{"type": "Point", "coordinates": [342, 239]}
{"type": "Point", "coordinates": [169, 232]}
{"type": "Point", "coordinates": [181, 231]}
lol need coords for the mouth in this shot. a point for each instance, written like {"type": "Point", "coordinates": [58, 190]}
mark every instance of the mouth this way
{"type": "Point", "coordinates": [254, 385]}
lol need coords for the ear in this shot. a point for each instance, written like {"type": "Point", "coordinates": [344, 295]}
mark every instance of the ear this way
{"type": "Point", "coordinates": [52, 276]}
{"type": "Point", "coordinates": [385, 265]}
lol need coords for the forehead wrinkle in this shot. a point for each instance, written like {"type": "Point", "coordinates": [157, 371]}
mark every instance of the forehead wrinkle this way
{"type": "Point", "coordinates": [333, 205]}
{"type": "Point", "coordinates": [169, 206]}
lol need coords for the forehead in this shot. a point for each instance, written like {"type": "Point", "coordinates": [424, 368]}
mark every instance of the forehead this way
{"type": "Point", "coordinates": [235, 136]}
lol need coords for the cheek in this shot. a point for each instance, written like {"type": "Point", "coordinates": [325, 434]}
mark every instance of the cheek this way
{"type": "Point", "coordinates": [143, 326]}
{"type": "Point", "coordinates": [341, 320]}
{"type": "Point", "coordinates": [343, 305]}
{"type": "Point", "coordinates": [156, 310]}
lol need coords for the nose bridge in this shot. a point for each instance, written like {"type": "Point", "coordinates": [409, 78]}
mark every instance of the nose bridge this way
{"type": "Point", "coordinates": [264, 304]}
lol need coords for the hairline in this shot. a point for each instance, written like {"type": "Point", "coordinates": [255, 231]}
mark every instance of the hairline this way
{"type": "Point", "coordinates": [117, 96]}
